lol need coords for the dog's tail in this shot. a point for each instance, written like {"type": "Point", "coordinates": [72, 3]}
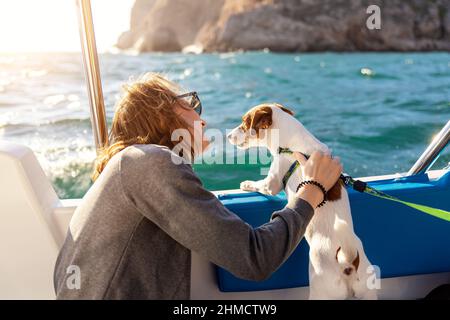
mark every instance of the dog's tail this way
{"type": "Point", "coordinates": [347, 254]}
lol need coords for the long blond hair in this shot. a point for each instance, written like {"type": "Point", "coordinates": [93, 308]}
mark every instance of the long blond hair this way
{"type": "Point", "coordinates": [144, 115]}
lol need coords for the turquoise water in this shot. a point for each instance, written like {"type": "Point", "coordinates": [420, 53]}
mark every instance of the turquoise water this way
{"type": "Point", "coordinates": [377, 111]}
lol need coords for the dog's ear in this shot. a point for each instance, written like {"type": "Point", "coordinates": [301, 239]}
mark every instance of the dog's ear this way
{"type": "Point", "coordinates": [285, 109]}
{"type": "Point", "coordinates": [261, 118]}
{"type": "Point", "coordinates": [335, 192]}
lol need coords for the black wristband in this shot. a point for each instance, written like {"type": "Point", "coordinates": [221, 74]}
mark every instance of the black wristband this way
{"type": "Point", "coordinates": [319, 185]}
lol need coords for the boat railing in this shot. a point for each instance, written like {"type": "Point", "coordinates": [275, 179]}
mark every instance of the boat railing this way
{"type": "Point", "coordinates": [431, 153]}
{"type": "Point", "coordinates": [92, 74]}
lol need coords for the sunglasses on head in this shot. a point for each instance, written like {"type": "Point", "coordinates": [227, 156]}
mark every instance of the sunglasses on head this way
{"type": "Point", "coordinates": [193, 100]}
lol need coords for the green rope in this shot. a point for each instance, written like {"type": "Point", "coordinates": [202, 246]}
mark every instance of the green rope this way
{"type": "Point", "coordinates": [363, 187]}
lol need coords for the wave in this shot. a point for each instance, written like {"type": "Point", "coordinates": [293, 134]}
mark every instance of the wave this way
{"type": "Point", "coordinates": [52, 122]}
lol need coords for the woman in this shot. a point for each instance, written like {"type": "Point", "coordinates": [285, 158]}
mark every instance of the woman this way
{"type": "Point", "coordinates": [132, 236]}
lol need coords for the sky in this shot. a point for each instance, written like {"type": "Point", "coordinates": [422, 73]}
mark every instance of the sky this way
{"type": "Point", "coordinates": [52, 25]}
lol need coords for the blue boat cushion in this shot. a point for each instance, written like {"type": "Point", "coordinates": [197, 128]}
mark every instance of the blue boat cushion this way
{"type": "Point", "coordinates": [399, 240]}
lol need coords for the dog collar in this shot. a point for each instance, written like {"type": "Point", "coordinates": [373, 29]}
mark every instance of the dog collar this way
{"type": "Point", "coordinates": [292, 168]}
{"type": "Point", "coordinates": [289, 173]}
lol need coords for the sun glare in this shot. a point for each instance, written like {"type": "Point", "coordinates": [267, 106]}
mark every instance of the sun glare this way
{"type": "Point", "coordinates": [52, 25]}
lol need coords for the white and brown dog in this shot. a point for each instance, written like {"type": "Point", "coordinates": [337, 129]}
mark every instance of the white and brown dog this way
{"type": "Point", "coordinates": [338, 265]}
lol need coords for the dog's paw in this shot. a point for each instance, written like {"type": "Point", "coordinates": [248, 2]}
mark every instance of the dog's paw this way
{"type": "Point", "coordinates": [248, 185]}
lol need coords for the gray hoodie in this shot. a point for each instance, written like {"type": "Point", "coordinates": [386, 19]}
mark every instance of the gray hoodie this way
{"type": "Point", "coordinates": [132, 235]}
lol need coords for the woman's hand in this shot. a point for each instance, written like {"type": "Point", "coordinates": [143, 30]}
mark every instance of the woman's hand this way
{"type": "Point", "coordinates": [319, 167]}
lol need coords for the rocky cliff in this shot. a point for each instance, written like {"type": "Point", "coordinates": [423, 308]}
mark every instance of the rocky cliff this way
{"type": "Point", "coordinates": [287, 25]}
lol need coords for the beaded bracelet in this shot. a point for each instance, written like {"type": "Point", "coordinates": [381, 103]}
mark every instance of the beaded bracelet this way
{"type": "Point", "coordinates": [321, 187]}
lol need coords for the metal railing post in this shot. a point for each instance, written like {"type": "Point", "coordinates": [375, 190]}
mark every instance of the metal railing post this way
{"type": "Point", "coordinates": [431, 153]}
{"type": "Point", "coordinates": [92, 74]}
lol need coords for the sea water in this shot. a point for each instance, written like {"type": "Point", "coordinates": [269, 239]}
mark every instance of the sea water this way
{"type": "Point", "coordinates": [377, 111]}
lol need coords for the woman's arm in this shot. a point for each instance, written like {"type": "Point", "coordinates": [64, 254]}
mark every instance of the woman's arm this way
{"type": "Point", "coordinates": [172, 197]}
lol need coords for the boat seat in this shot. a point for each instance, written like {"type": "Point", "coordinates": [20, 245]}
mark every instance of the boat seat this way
{"type": "Point", "coordinates": [29, 236]}
{"type": "Point", "coordinates": [399, 240]}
